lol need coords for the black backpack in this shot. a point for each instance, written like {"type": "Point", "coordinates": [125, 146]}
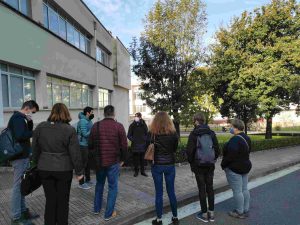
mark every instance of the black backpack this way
{"type": "Point", "coordinates": [205, 153]}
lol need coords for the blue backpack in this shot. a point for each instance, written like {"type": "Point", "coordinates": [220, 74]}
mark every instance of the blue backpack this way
{"type": "Point", "coordinates": [205, 153]}
{"type": "Point", "coordinates": [9, 148]}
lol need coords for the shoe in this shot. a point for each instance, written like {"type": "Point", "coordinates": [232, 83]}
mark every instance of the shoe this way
{"type": "Point", "coordinates": [96, 213]}
{"type": "Point", "coordinates": [211, 216]}
{"type": "Point", "coordinates": [21, 222]}
{"type": "Point", "coordinates": [203, 217]}
{"type": "Point", "coordinates": [236, 215]}
{"type": "Point", "coordinates": [90, 183]}
{"type": "Point", "coordinates": [144, 174]}
{"type": "Point", "coordinates": [114, 214]}
{"type": "Point", "coordinates": [27, 215]}
{"type": "Point", "coordinates": [84, 186]}
{"type": "Point", "coordinates": [175, 221]}
{"type": "Point", "coordinates": [246, 214]}
{"type": "Point", "coordinates": [156, 222]}
{"type": "Point", "coordinates": [136, 173]}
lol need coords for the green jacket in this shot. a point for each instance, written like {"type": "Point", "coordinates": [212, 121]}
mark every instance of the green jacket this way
{"type": "Point", "coordinates": [83, 129]}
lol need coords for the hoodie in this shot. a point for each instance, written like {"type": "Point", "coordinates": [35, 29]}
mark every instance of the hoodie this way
{"type": "Point", "coordinates": [192, 144]}
{"type": "Point", "coordinates": [84, 127]}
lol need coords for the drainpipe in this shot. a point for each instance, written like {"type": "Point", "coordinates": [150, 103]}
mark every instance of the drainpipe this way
{"type": "Point", "coordinates": [1, 105]}
{"type": "Point", "coordinates": [96, 68]}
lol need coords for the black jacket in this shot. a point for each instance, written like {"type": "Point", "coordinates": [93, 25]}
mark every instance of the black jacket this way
{"type": "Point", "coordinates": [165, 148]}
{"type": "Point", "coordinates": [56, 148]}
{"type": "Point", "coordinates": [192, 145]}
{"type": "Point", "coordinates": [236, 155]}
{"type": "Point", "coordinates": [21, 129]}
{"type": "Point", "coordinates": [137, 134]}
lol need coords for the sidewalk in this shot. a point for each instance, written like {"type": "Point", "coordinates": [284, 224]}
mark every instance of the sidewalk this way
{"type": "Point", "coordinates": [136, 195]}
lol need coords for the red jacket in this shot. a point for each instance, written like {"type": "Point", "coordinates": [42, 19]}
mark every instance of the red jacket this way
{"type": "Point", "coordinates": [109, 142]}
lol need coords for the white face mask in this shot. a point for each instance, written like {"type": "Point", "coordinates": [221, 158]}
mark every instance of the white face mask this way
{"type": "Point", "coordinates": [136, 119]}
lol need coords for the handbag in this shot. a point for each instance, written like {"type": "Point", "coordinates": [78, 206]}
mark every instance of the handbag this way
{"type": "Point", "coordinates": [149, 155]}
{"type": "Point", "coordinates": [31, 181]}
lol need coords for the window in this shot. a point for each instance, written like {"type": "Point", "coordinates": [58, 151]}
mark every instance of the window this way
{"type": "Point", "coordinates": [45, 14]}
{"type": "Point", "coordinates": [18, 85]}
{"type": "Point", "coordinates": [102, 56]}
{"type": "Point", "coordinates": [53, 21]}
{"type": "Point", "coordinates": [70, 33]}
{"type": "Point", "coordinates": [62, 28]}
{"type": "Point", "coordinates": [13, 3]}
{"type": "Point", "coordinates": [72, 94]}
{"type": "Point", "coordinates": [82, 43]}
{"type": "Point", "coordinates": [76, 38]}
{"type": "Point", "coordinates": [20, 5]}
{"type": "Point", "coordinates": [104, 98]}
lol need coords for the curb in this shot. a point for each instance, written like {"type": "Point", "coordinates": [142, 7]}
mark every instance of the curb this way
{"type": "Point", "coordinates": [190, 198]}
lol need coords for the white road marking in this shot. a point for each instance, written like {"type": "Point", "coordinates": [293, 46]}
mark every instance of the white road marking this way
{"type": "Point", "coordinates": [194, 207]}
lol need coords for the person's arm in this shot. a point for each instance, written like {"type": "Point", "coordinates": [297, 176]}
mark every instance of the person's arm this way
{"type": "Point", "coordinates": [36, 150]}
{"type": "Point", "coordinates": [20, 130]}
{"type": "Point", "coordinates": [191, 147]}
{"type": "Point", "coordinates": [74, 151]}
{"type": "Point", "coordinates": [216, 145]}
{"type": "Point", "coordinates": [130, 133]}
{"type": "Point", "coordinates": [84, 132]}
{"type": "Point", "coordinates": [231, 150]}
{"type": "Point", "coordinates": [176, 139]}
{"type": "Point", "coordinates": [91, 137]}
{"type": "Point", "coordinates": [123, 142]}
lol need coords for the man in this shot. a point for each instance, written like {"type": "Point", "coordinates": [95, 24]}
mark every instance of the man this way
{"type": "Point", "coordinates": [21, 126]}
{"type": "Point", "coordinates": [108, 140]}
{"type": "Point", "coordinates": [202, 152]}
{"type": "Point", "coordinates": [137, 134]}
{"type": "Point", "coordinates": [84, 127]}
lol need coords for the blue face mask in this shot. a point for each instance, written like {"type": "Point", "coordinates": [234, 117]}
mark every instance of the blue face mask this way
{"type": "Point", "coordinates": [231, 130]}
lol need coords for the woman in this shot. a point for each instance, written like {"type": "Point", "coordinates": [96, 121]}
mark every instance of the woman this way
{"type": "Point", "coordinates": [56, 152]}
{"type": "Point", "coordinates": [165, 139]}
{"type": "Point", "coordinates": [237, 165]}
{"type": "Point", "coordinates": [137, 134]}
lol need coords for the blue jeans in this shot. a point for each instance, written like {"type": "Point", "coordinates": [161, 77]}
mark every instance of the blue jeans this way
{"type": "Point", "coordinates": [158, 172]}
{"type": "Point", "coordinates": [112, 175]}
{"type": "Point", "coordinates": [18, 205]}
{"type": "Point", "coordinates": [239, 186]}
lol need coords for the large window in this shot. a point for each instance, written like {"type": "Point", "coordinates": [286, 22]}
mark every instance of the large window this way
{"type": "Point", "coordinates": [20, 5]}
{"type": "Point", "coordinates": [104, 97]}
{"type": "Point", "coordinates": [18, 85]}
{"type": "Point", "coordinates": [72, 94]}
{"type": "Point", "coordinates": [103, 56]}
{"type": "Point", "coordinates": [65, 29]}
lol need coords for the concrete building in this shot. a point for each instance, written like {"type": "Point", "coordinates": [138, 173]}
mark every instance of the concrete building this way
{"type": "Point", "coordinates": [58, 51]}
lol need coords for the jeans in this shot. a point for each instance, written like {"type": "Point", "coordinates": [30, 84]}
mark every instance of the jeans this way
{"type": "Point", "coordinates": [85, 159]}
{"type": "Point", "coordinates": [112, 175]}
{"type": "Point", "coordinates": [158, 172]}
{"type": "Point", "coordinates": [18, 205]}
{"type": "Point", "coordinates": [138, 161]}
{"type": "Point", "coordinates": [57, 186]}
{"type": "Point", "coordinates": [239, 186]}
{"type": "Point", "coordinates": [205, 180]}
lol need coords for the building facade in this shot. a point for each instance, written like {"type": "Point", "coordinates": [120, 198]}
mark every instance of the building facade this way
{"type": "Point", "coordinates": [58, 51]}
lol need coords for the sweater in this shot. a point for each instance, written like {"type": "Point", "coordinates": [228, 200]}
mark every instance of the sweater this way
{"type": "Point", "coordinates": [84, 127]}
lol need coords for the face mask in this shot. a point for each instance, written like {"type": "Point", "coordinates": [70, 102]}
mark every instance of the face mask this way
{"type": "Point", "coordinates": [91, 116]}
{"type": "Point", "coordinates": [231, 130]}
{"type": "Point", "coordinates": [136, 119]}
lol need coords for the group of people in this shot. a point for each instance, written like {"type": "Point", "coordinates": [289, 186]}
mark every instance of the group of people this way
{"type": "Point", "coordinates": [58, 149]}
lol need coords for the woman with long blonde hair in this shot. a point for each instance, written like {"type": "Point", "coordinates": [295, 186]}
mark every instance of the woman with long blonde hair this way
{"type": "Point", "coordinates": [165, 139]}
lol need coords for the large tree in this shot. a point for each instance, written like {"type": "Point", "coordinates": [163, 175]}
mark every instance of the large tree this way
{"type": "Point", "coordinates": [167, 52]}
{"type": "Point", "coordinates": [258, 59]}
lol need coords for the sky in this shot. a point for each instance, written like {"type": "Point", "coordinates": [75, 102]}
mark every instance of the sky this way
{"type": "Point", "coordinates": [124, 18]}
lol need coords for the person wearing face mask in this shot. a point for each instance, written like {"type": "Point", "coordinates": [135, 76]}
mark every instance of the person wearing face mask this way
{"type": "Point", "coordinates": [137, 134]}
{"type": "Point", "coordinates": [21, 126]}
{"type": "Point", "coordinates": [84, 127]}
{"type": "Point", "coordinates": [237, 165]}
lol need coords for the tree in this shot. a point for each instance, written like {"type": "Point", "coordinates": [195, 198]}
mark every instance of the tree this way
{"type": "Point", "coordinates": [167, 52]}
{"type": "Point", "coordinates": [260, 53]}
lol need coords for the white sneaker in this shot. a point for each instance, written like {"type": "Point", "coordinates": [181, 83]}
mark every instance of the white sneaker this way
{"type": "Point", "coordinates": [84, 186]}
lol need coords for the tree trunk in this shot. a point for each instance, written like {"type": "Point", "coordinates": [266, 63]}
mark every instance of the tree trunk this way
{"type": "Point", "coordinates": [269, 128]}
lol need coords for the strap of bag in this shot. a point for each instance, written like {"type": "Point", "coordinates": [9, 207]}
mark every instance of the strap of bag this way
{"type": "Point", "coordinates": [244, 141]}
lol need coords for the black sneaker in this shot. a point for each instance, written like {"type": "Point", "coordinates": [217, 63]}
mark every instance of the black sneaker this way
{"type": "Point", "coordinates": [175, 221]}
{"type": "Point", "coordinates": [156, 222]}
{"type": "Point", "coordinates": [27, 215]}
{"type": "Point", "coordinates": [211, 216]}
{"type": "Point", "coordinates": [136, 173]}
{"type": "Point", "coordinates": [236, 215]}
{"type": "Point", "coordinates": [144, 174]}
{"type": "Point", "coordinates": [246, 214]}
{"type": "Point", "coordinates": [203, 217]}
{"type": "Point", "coordinates": [21, 221]}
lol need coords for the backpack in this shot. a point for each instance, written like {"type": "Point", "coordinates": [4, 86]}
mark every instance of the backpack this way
{"type": "Point", "coordinates": [8, 147]}
{"type": "Point", "coordinates": [205, 153]}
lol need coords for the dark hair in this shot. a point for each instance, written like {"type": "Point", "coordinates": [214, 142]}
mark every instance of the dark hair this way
{"type": "Point", "coordinates": [200, 118]}
{"type": "Point", "coordinates": [31, 104]}
{"type": "Point", "coordinates": [138, 114]}
{"type": "Point", "coordinates": [238, 124]}
{"type": "Point", "coordinates": [60, 113]}
{"type": "Point", "coordinates": [109, 111]}
{"type": "Point", "coordinates": [87, 110]}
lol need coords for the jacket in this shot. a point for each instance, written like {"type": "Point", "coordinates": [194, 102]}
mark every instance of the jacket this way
{"type": "Point", "coordinates": [109, 143]}
{"type": "Point", "coordinates": [236, 155]}
{"type": "Point", "coordinates": [165, 148]}
{"type": "Point", "coordinates": [84, 127]}
{"type": "Point", "coordinates": [137, 134]}
{"type": "Point", "coordinates": [21, 129]}
{"type": "Point", "coordinates": [192, 145]}
{"type": "Point", "coordinates": [56, 148]}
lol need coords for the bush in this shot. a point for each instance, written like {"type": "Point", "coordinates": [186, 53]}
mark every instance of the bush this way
{"type": "Point", "coordinates": [277, 128]}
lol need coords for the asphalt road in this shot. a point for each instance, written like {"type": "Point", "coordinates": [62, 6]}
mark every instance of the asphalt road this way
{"type": "Point", "coordinates": [273, 203]}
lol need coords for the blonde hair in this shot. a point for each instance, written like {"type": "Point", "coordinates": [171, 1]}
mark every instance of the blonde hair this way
{"type": "Point", "coordinates": [162, 124]}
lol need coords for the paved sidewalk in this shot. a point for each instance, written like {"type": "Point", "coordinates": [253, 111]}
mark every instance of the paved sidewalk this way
{"type": "Point", "coordinates": [136, 195]}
